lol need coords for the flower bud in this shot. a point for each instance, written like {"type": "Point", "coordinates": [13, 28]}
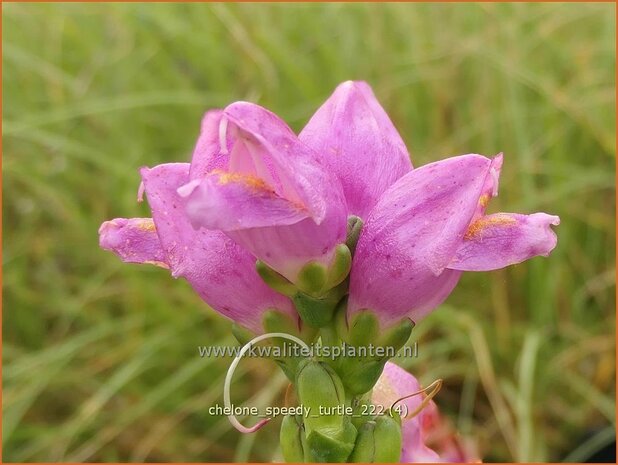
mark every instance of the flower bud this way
{"type": "Point", "coordinates": [320, 389]}
{"type": "Point", "coordinates": [387, 435]}
{"type": "Point", "coordinates": [364, 449]}
{"type": "Point", "coordinates": [330, 434]}
{"type": "Point", "coordinates": [374, 347]}
{"type": "Point", "coordinates": [378, 441]}
{"type": "Point", "coordinates": [332, 449]}
{"type": "Point", "coordinates": [292, 439]}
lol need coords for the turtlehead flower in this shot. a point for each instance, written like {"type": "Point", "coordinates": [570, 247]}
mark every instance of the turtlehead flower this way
{"type": "Point", "coordinates": [285, 200]}
{"type": "Point", "coordinates": [219, 270]}
{"type": "Point", "coordinates": [426, 436]}
{"type": "Point", "coordinates": [252, 178]}
{"type": "Point", "coordinates": [431, 225]}
{"type": "Point", "coordinates": [335, 227]}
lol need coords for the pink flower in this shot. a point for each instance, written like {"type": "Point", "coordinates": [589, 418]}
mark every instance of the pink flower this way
{"type": "Point", "coordinates": [285, 200]}
{"type": "Point", "coordinates": [426, 436]}
{"type": "Point", "coordinates": [428, 227]}
{"type": "Point", "coordinates": [219, 270]}
{"type": "Point", "coordinates": [253, 179]}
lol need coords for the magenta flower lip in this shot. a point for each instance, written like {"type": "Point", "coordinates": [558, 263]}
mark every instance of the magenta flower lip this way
{"type": "Point", "coordinates": [254, 190]}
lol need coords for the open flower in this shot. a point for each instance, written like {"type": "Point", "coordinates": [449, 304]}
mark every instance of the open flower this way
{"type": "Point", "coordinates": [265, 189]}
{"type": "Point", "coordinates": [426, 436]}
{"type": "Point", "coordinates": [285, 200]}
{"type": "Point", "coordinates": [256, 198]}
{"type": "Point", "coordinates": [428, 227]}
{"type": "Point", "coordinates": [219, 270]}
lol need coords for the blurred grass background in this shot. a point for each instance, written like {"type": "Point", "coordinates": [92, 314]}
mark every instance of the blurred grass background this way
{"type": "Point", "coordinates": [100, 358]}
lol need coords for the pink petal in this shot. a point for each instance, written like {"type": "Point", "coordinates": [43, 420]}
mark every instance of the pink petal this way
{"type": "Point", "coordinates": [264, 146]}
{"type": "Point", "coordinates": [358, 142]}
{"type": "Point", "coordinates": [439, 434]}
{"type": "Point", "coordinates": [288, 248]}
{"type": "Point", "coordinates": [134, 240]}
{"type": "Point", "coordinates": [502, 239]}
{"type": "Point", "coordinates": [233, 201]}
{"type": "Point", "coordinates": [220, 271]}
{"type": "Point", "coordinates": [490, 187]}
{"type": "Point", "coordinates": [271, 195]}
{"type": "Point", "coordinates": [395, 383]}
{"type": "Point", "coordinates": [212, 148]}
{"type": "Point", "coordinates": [412, 234]}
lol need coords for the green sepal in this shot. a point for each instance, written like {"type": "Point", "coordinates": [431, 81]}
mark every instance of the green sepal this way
{"type": "Point", "coordinates": [339, 268]}
{"type": "Point", "coordinates": [325, 448]}
{"type": "Point", "coordinates": [307, 333]}
{"type": "Point", "coordinates": [397, 335]}
{"type": "Point", "coordinates": [312, 278]}
{"type": "Point", "coordinates": [364, 449]}
{"type": "Point", "coordinates": [364, 329]}
{"type": "Point", "coordinates": [292, 439]}
{"type": "Point", "coordinates": [388, 440]}
{"type": "Point", "coordinates": [341, 318]}
{"type": "Point", "coordinates": [360, 416]}
{"type": "Point", "coordinates": [275, 321]}
{"type": "Point", "coordinates": [242, 334]}
{"type": "Point", "coordinates": [359, 375]}
{"type": "Point", "coordinates": [317, 312]}
{"type": "Point", "coordinates": [355, 226]}
{"type": "Point", "coordinates": [274, 280]}
{"type": "Point", "coordinates": [317, 386]}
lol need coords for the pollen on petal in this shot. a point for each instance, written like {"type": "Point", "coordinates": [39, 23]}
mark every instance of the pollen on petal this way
{"type": "Point", "coordinates": [478, 226]}
{"type": "Point", "coordinates": [484, 200]}
{"type": "Point", "coordinates": [248, 180]}
{"type": "Point", "coordinates": [134, 240]}
{"type": "Point", "coordinates": [145, 224]}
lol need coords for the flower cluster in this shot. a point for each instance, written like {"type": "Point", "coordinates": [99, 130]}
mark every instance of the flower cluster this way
{"type": "Point", "coordinates": [330, 233]}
